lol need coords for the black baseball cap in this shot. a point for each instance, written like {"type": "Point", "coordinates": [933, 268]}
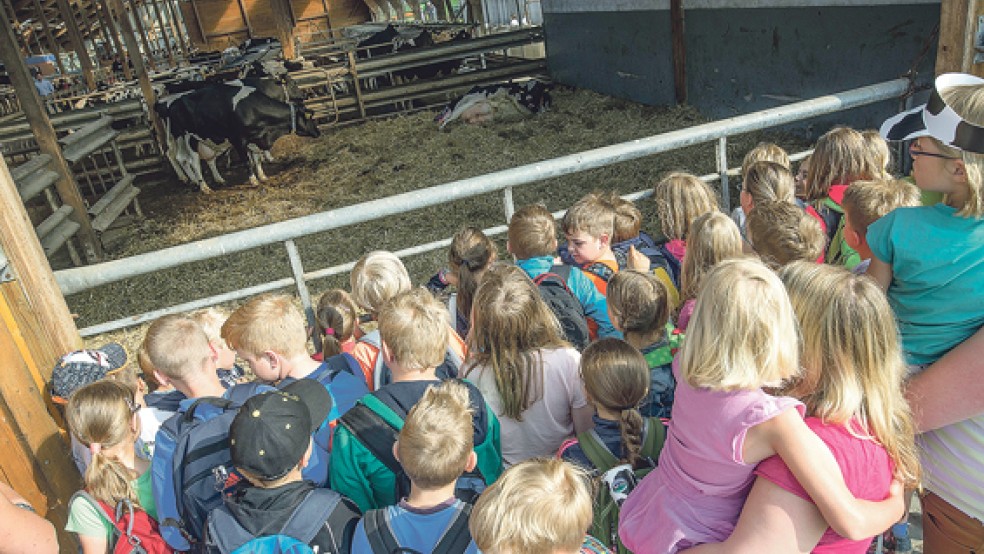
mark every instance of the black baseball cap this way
{"type": "Point", "coordinates": [272, 430]}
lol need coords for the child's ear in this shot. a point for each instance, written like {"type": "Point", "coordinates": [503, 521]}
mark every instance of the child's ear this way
{"type": "Point", "coordinates": [508, 247]}
{"type": "Point", "coordinates": [472, 461]}
{"type": "Point", "coordinates": [959, 171]}
{"type": "Point", "coordinates": [396, 449]}
{"type": "Point", "coordinates": [307, 456]}
{"type": "Point", "coordinates": [384, 351]}
{"type": "Point", "coordinates": [605, 239]}
{"type": "Point", "coordinates": [162, 379]}
{"type": "Point", "coordinates": [852, 237]}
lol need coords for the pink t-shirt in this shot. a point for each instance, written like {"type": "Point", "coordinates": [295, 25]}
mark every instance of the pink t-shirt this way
{"type": "Point", "coordinates": [867, 471]}
{"type": "Point", "coordinates": [683, 319]}
{"type": "Point", "coordinates": [549, 421]}
{"type": "Point", "coordinates": [696, 492]}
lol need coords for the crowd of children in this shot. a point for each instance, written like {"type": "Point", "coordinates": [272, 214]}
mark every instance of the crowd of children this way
{"type": "Point", "coordinates": [743, 384]}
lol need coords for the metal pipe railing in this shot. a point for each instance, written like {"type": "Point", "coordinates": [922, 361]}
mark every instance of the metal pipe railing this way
{"type": "Point", "coordinates": [83, 278]}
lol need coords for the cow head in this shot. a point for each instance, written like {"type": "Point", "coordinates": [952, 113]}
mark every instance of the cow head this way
{"type": "Point", "coordinates": [303, 124]}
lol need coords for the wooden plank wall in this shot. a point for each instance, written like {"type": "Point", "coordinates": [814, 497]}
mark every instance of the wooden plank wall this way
{"type": "Point", "coordinates": [224, 24]}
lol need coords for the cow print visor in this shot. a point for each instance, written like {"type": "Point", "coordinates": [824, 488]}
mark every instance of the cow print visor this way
{"type": "Point", "coordinates": [937, 120]}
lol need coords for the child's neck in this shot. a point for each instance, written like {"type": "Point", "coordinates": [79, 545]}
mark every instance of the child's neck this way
{"type": "Point", "coordinates": [207, 385]}
{"type": "Point", "coordinates": [422, 498]}
{"type": "Point", "coordinates": [958, 198]}
{"type": "Point", "coordinates": [606, 414]}
{"type": "Point", "coordinates": [301, 366]}
{"type": "Point", "coordinates": [642, 340]}
{"type": "Point", "coordinates": [401, 373]}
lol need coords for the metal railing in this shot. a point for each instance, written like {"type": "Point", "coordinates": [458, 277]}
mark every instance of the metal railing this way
{"type": "Point", "coordinates": [83, 278]}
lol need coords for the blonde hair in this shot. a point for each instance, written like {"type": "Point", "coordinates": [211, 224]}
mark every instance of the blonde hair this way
{"type": "Point", "coordinates": [878, 153]}
{"type": "Point", "coordinates": [211, 320]}
{"type": "Point", "coordinates": [628, 218]}
{"type": "Point", "coordinates": [713, 237]}
{"type": "Point", "coordinates": [101, 415]}
{"type": "Point", "coordinates": [177, 347]}
{"type": "Point", "coordinates": [268, 322]}
{"type": "Point", "coordinates": [761, 343]}
{"type": "Point", "coordinates": [336, 311]}
{"type": "Point", "coordinates": [869, 201]}
{"type": "Point", "coordinates": [147, 369]}
{"type": "Point", "coordinates": [852, 361]}
{"type": "Point", "coordinates": [639, 301]}
{"type": "Point", "coordinates": [532, 232]}
{"type": "Point", "coordinates": [437, 436]}
{"type": "Point", "coordinates": [510, 325]}
{"type": "Point", "coordinates": [593, 214]}
{"type": "Point", "coordinates": [414, 326]}
{"type": "Point", "coordinates": [764, 152]}
{"type": "Point", "coordinates": [680, 198]}
{"type": "Point", "coordinates": [968, 102]}
{"type": "Point", "coordinates": [781, 232]}
{"type": "Point", "coordinates": [838, 157]}
{"type": "Point", "coordinates": [616, 377]}
{"type": "Point", "coordinates": [377, 277]}
{"type": "Point", "coordinates": [470, 256]}
{"type": "Point", "coordinates": [768, 181]}
{"type": "Point", "coordinates": [536, 507]}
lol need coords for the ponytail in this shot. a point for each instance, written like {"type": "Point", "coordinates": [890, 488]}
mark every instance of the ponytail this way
{"type": "Point", "coordinates": [335, 320]}
{"type": "Point", "coordinates": [631, 426]}
{"type": "Point", "coordinates": [108, 480]}
{"type": "Point", "coordinates": [471, 254]}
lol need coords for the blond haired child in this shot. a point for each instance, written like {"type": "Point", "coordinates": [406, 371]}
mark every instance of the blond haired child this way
{"type": "Point", "coordinates": [211, 320]}
{"type": "Point", "coordinates": [680, 199]}
{"type": "Point", "coordinates": [640, 307]}
{"type": "Point", "coordinates": [413, 328]}
{"type": "Point", "coordinates": [376, 278]}
{"type": "Point", "coordinates": [713, 238]}
{"type": "Point", "coordinates": [764, 152]}
{"type": "Point", "coordinates": [854, 403]}
{"type": "Point", "coordinates": [434, 448]}
{"type": "Point", "coordinates": [538, 506]}
{"type": "Point", "coordinates": [524, 368]}
{"type": "Point", "coordinates": [337, 324]}
{"type": "Point", "coordinates": [270, 333]}
{"type": "Point", "coordinates": [866, 202]}
{"type": "Point", "coordinates": [878, 154]}
{"type": "Point", "coordinates": [945, 244]}
{"type": "Point", "coordinates": [532, 240]}
{"type": "Point", "coordinates": [588, 227]}
{"type": "Point", "coordinates": [103, 417]}
{"type": "Point", "coordinates": [781, 232]}
{"type": "Point", "coordinates": [471, 253]}
{"type": "Point", "coordinates": [724, 423]}
{"type": "Point", "coordinates": [839, 158]}
{"type": "Point", "coordinates": [763, 181]}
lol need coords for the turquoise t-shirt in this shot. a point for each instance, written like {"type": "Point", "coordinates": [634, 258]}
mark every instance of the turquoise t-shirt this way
{"type": "Point", "coordinates": [937, 288]}
{"type": "Point", "coordinates": [87, 519]}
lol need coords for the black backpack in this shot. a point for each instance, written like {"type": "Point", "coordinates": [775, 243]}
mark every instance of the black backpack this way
{"type": "Point", "coordinates": [562, 302]}
{"type": "Point", "coordinates": [455, 540]}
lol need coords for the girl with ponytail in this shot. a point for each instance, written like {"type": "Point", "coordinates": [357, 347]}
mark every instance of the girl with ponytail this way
{"type": "Point", "coordinates": [470, 255]}
{"type": "Point", "coordinates": [103, 417]}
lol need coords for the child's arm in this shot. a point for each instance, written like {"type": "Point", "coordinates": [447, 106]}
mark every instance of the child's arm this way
{"type": "Point", "coordinates": [595, 304]}
{"type": "Point", "coordinates": [881, 272]}
{"type": "Point", "coordinates": [950, 390]}
{"type": "Point", "coordinates": [817, 471]}
{"type": "Point", "coordinates": [583, 419]}
{"type": "Point", "coordinates": [22, 530]}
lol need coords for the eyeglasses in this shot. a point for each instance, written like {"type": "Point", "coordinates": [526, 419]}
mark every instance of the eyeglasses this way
{"type": "Point", "coordinates": [915, 152]}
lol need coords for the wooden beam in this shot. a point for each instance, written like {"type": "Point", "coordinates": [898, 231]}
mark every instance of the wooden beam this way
{"type": "Point", "coordinates": [78, 43]}
{"type": "Point", "coordinates": [176, 27]}
{"type": "Point", "coordinates": [133, 16]}
{"type": "Point", "coordinates": [245, 17]}
{"type": "Point", "coordinates": [163, 33]}
{"type": "Point", "coordinates": [109, 21]}
{"type": "Point", "coordinates": [138, 65]}
{"type": "Point", "coordinates": [52, 43]}
{"type": "Point", "coordinates": [679, 51]}
{"type": "Point", "coordinates": [198, 22]}
{"type": "Point", "coordinates": [44, 134]}
{"type": "Point", "coordinates": [284, 22]}
{"type": "Point", "coordinates": [958, 30]}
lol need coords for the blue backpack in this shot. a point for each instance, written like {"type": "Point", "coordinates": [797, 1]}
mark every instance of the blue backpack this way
{"type": "Point", "coordinates": [659, 256]}
{"type": "Point", "coordinates": [192, 467]}
{"type": "Point", "coordinates": [228, 536]}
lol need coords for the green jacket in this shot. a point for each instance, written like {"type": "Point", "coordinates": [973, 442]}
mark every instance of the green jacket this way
{"type": "Point", "coordinates": [356, 473]}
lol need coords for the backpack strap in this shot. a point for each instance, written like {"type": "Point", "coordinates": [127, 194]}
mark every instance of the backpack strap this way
{"type": "Point", "coordinates": [311, 514]}
{"type": "Point", "coordinates": [601, 270]}
{"type": "Point", "coordinates": [374, 432]}
{"type": "Point", "coordinates": [102, 509]}
{"type": "Point", "coordinates": [596, 451]}
{"type": "Point", "coordinates": [654, 435]}
{"type": "Point", "coordinates": [373, 339]}
{"type": "Point", "coordinates": [224, 532]}
{"type": "Point", "coordinates": [456, 537]}
{"type": "Point", "coordinates": [239, 394]}
{"type": "Point", "coordinates": [379, 532]}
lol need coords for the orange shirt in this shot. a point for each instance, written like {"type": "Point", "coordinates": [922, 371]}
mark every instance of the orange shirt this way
{"type": "Point", "coordinates": [366, 354]}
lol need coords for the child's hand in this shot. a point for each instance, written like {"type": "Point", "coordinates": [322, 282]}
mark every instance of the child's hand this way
{"type": "Point", "coordinates": [637, 260]}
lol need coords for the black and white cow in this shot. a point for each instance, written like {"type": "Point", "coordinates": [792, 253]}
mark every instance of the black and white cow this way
{"type": "Point", "coordinates": [482, 104]}
{"type": "Point", "coordinates": [249, 121]}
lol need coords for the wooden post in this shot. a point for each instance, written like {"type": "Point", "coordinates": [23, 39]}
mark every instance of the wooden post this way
{"type": "Point", "coordinates": [179, 36]}
{"type": "Point", "coordinates": [78, 44]}
{"type": "Point", "coordinates": [163, 33]}
{"type": "Point", "coordinates": [132, 15]}
{"type": "Point", "coordinates": [198, 22]}
{"type": "Point", "coordinates": [679, 51]}
{"type": "Point", "coordinates": [245, 16]}
{"type": "Point", "coordinates": [285, 27]}
{"type": "Point", "coordinates": [958, 30]}
{"type": "Point", "coordinates": [44, 134]}
{"type": "Point", "coordinates": [138, 65]}
{"type": "Point", "coordinates": [109, 19]}
{"type": "Point", "coordinates": [52, 43]}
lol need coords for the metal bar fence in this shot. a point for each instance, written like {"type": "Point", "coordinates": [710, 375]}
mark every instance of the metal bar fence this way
{"type": "Point", "coordinates": [83, 278]}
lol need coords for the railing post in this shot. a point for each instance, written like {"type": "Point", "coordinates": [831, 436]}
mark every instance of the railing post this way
{"type": "Point", "coordinates": [507, 203]}
{"type": "Point", "coordinates": [722, 167]}
{"type": "Point", "coordinates": [297, 269]}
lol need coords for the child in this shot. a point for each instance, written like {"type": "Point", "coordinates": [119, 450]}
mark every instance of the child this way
{"type": "Point", "coordinates": [532, 242]}
{"type": "Point", "coordinates": [763, 152]}
{"type": "Point", "coordinates": [211, 320]}
{"type": "Point", "coordinates": [640, 308]}
{"type": "Point", "coordinates": [636, 249]}
{"type": "Point", "coordinates": [801, 179]}
{"type": "Point", "coordinates": [724, 424]}
{"type": "Point", "coordinates": [470, 255]}
{"type": "Point", "coordinates": [525, 370]}
{"type": "Point", "coordinates": [103, 417]}
{"type": "Point", "coordinates": [867, 201]}
{"type": "Point", "coordinates": [414, 330]}
{"type": "Point", "coordinates": [680, 199]}
{"type": "Point", "coordinates": [337, 324]}
{"type": "Point", "coordinates": [780, 232]}
{"type": "Point", "coordinates": [538, 506]}
{"type": "Point", "coordinates": [270, 443]}
{"type": "Point", "coordinates": [270, 333]}
{"type": "Point", "coordinates": [855, 405]}
{"type": "Point", "coordinates": [838, 159]}
{"type": "Point", "coordinates": [878, 154]}
{"type": "Point", "coordinates": [376, 278]}
{"type": "Point", "coordinates": [616, 379]}
{"type": "Point", "coordinates": [713, 238]}
{"type": "Point", "coordinates": [763, 181]}
{"type": "Point", "coordinates": [588, 227]}
{"type": "Point", "coordinates": [435, 448]}
{"type": "Point", "coordinates": [939, 307]}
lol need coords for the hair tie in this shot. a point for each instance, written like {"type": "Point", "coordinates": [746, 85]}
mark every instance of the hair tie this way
{"type": "Point", "coordinates": [329, 331]}
{"type": "Point", "coordinates": [95, 448]}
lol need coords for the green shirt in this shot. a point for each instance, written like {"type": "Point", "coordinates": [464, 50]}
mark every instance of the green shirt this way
{"type": "Point", "coordinates": [89, 520]}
